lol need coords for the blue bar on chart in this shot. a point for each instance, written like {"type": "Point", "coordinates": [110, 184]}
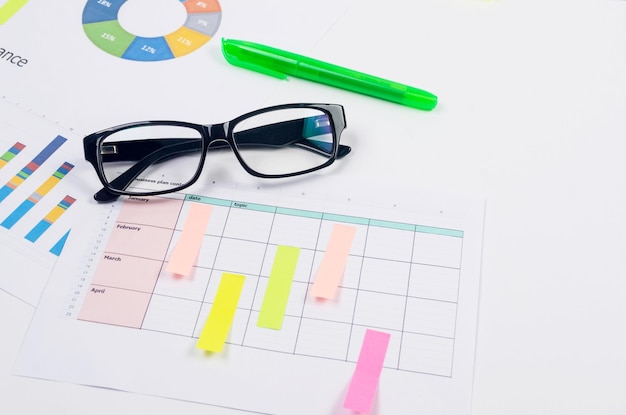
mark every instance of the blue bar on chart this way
{"type": "Point", "coordinates": [11, 153]}
{"type": "Point", "coordinates": [58, 246]}
{"type": "Point", "coordinates": [31, 167]}
{"type": "Point", "coordinates": [37, 195]}
{"type": "Point", "coordinates": [50, 218]}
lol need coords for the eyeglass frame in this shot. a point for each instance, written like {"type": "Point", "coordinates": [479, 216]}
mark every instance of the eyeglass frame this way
{"type": "Point", "coordinates": [211, 134]}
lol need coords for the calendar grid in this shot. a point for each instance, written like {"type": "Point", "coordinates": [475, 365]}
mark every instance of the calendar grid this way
{"type": "Point", "coordinates": [400, 278]}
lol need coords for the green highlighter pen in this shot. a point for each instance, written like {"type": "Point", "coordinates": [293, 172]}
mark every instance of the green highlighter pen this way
{"type": "Point", "coordinates": [280, 63]}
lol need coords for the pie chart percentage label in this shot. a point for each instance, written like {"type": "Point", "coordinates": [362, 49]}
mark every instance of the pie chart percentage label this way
{"type": "Point", "coordinates": [102, 27]}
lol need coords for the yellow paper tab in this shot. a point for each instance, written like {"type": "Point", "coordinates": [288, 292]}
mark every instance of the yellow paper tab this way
{"type": "Point", "coordinates": [330, 272]}
{"type": "Point", "coordinates": [186, 250]}
{"type": "Point", "coordinates": [9, 8]}
{"type": "Point", "coordinates": [278, 288]}
{"type": "Point", "coordinates": [222, 313]}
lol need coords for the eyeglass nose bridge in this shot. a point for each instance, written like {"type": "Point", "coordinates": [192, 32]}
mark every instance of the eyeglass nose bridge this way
{"type": "Point", "coordinates": [217, 131]}
{"type": "Point", "coordinates": [216, 136]}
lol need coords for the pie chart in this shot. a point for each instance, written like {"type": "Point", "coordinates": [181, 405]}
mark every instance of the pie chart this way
{"type": "Point", "coordinates": [102, 26]}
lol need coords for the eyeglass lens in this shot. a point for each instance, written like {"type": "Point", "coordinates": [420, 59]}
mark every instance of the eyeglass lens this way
{"type": "Point", "coordinates": [285, 141]}
{"type": "Point", "coordinates": [151, 158]}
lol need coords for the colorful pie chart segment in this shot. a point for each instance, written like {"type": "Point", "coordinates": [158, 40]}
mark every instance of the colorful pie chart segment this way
{"type": "Point", "coordinates": [101, 25]}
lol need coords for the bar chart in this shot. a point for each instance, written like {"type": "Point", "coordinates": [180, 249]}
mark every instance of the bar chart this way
{"type": "Point", "coordinates": [16, 185]}
{"type": "Point", "coordinates": [31, 167]}
{"type": "Point", "coordinates": [37, 197]}
{"type": "Point", "coordinates": [10, 154]}
{"type": "Point", "coordinates": [49, 219]}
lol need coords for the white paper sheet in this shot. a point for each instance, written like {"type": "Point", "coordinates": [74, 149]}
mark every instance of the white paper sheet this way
{"type": "Point", "coordinates": [413, 272]}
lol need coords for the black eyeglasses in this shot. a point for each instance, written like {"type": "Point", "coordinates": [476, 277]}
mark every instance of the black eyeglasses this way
{"type": "Point", "coordinates": [279, 141]}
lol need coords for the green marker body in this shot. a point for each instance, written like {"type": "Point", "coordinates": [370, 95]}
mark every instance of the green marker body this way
{"type": "Point", "coordinates": [279, 63]}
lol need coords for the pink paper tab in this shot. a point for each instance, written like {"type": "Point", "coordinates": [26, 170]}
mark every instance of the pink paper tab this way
{"type": "Point", "coordinates": [364, 383]}
{"type": "Point", "coordinates": [333, 264]}
{"type": "Point", "coordinates": [186, 250]}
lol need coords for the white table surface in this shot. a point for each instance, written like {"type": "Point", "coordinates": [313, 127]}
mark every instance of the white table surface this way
{"type": "Point", "coordinates": [532, 117]}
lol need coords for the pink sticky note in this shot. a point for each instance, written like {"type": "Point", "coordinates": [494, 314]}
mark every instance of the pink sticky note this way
{"type": "Point", "coordinates": [186, 250]}
{"type": "Point", "coordinates": [333, 264]}
{"type": "Point", "coordinates": [364, 383]}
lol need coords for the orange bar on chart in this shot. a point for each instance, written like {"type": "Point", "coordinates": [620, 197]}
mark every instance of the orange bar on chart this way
{"type": "Point", "coordinates": [333, 264]}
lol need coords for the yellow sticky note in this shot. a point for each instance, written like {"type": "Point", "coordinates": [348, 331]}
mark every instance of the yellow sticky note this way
{"type": "Point", "coordinates": [222, 313]}
{"type": "Point", "coordinates": [330, 272]}
{"type": "Point", "coordinates": [278, 288]}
